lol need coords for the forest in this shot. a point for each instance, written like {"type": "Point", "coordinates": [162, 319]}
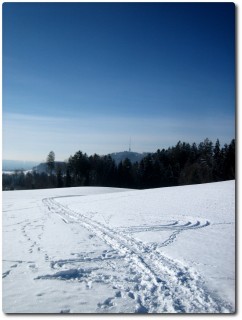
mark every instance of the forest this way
{"type": "Point", "coordinates": [182, 164]}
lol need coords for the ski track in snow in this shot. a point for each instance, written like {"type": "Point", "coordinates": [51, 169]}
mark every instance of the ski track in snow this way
{"type": "Point", "coordinates": [156, 283]}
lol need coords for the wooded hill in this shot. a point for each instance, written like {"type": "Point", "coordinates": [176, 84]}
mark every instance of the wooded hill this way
{"type": "Point", "coordinates": [179, 165]}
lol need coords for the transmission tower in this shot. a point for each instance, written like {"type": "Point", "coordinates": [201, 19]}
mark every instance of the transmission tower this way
{"type": "Point", "coordinates": [129, 144]}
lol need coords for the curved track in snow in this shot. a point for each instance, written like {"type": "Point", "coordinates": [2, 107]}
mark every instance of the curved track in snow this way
{"type": "Point", "coordinates": [177, 225]}
{"type": "Point", "coordinates": [162, 285]}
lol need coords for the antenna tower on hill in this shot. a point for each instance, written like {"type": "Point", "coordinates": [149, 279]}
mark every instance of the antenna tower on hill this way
{"type": "Point", "coordinates": [129, 144]}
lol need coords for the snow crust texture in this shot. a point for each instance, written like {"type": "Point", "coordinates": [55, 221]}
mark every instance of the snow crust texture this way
{"type": "Point", "coordinates": [105, 250]}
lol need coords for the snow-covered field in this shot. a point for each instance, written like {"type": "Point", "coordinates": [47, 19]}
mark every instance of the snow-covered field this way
{"type": "Point", "coordinates": [107, 250]}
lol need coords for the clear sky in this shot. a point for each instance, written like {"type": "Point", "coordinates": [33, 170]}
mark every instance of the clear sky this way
{"type": "Point", "coordinates": [88, 76]}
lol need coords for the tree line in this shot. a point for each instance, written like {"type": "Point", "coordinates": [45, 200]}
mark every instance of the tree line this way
{"type": "Point", "coordinates": [179, 165]}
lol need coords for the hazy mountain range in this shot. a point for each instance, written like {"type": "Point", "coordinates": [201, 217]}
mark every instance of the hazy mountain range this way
{"type": "Point", "coordinates": [11, 165]}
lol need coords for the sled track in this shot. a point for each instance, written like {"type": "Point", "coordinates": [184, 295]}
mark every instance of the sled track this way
{"type": "Point", "coordinates": [164, 285]}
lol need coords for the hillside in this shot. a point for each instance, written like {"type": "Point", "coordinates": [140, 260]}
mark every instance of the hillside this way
{"type": "Point", "coordinates": [107, 250]}
{"type": "Point", "coordinates": [43, 167]}
{"type": "Point", "coordinates": [116, 156]}
{"type": "Point", "coordinates": [132, 156]}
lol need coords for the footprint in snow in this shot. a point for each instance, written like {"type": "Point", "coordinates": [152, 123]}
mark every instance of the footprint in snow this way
{"type": "Point", "coordinates": [65, 311]}
{"type": "Point", "coordinates": [40, 294]}
{"type": "Point", "coordinates": [131, 295]}
{"type": "Point", "coordinates": [118, 294]}
{"type": "Point", "coordinates": [5, 274]}
{"type": "Point", "coordinates": [106, 304]}
{"type": "Point", "coordinates": [141, 309]}
{"type": "Point", "coordinates": [32, 266]}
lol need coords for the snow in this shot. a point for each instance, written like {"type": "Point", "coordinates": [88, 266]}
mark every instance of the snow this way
{"type": "Point", "coordinates": [109, 250]}
{"type": "Point", "coordinates": [11, 172]}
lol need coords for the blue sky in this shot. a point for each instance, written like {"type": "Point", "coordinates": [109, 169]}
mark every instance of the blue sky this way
{"type": "Point", "coordinates": [88, 76]}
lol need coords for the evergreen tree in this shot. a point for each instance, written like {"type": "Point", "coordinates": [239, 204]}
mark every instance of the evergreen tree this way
{"type": "Point", "coordinates": [51, 162]}
{"type": "Point", "coordinates": [217, 162]}
{"type": "Point", "coordinates": [59, 178]}
{"type": "Point", "coordinates": [68, 180]}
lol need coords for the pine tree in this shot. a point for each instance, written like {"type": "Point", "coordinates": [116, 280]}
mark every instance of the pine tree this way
{"type": "Point", "coordinates": [51, 161]}
{"type": "Point", "coordinates": [68, 181]}
{"type": "Point", "coordinates": [59, 178]}
{"type": "Point", "coordinates": [217, 162]}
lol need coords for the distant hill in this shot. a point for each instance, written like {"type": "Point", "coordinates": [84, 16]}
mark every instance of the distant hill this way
{"type": "Point", "coordinates": [42, 167]}
{"type": "Point", "coordinates": [132, 156]}
{"type": "Point", "coordinates": [116, 156]}
{"type": "Point", "coordinates": [11, 165]}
